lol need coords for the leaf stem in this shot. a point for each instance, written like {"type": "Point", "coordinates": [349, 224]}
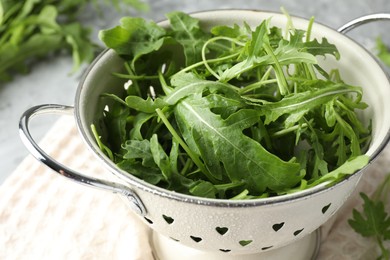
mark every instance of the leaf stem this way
{"type": "Point", "coordinates": [135, 77]}
{"type": "Point", "coordinates": [283, 86]}
{"type": "Point", "coordinates": [190, 153]}
{"type": "Point", "coordinates": [201, 63]}
{"type": "Point", "coordinates": [385, 253]}
{"type": "Point", "coordinates": [204, 59]}
{"type": "Point", "coordinates": [102, 147]}
{"type": "Point", "coordinates": [256, 85]}
{"type": "Point", "coordinates": [230, 185]}
{"type": "Point", "coordinates": [289, 130]}
{"type": "Point", "coordinates": [309, 28]}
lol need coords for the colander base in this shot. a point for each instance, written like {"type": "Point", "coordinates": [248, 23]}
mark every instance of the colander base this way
{"type": "Point", "coordinates": [306, 248]}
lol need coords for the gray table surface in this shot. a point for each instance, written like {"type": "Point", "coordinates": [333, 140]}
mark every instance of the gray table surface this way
{"type": "Point", "coordinates": [50, 80]}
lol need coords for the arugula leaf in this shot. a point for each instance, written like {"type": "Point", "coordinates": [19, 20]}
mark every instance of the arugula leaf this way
{"type": "Point", "coordinates": [14, 57]}
{"type": "Point", "coordinates": [347, 168]}
{"type": "Point", "coordinates": [224, 147]}
{"type": "Point", "coordinates": [316, 48]}
{"type": "Point", "coordinates": [139, 150]}
{"type": "Point", "coordinates": [148, 106]}
{"type": "Point", "coordinates": [81, 52]}
{"type": "Point", "coordinates": [252, 54]}
{"type": "Point", "coordinates": [304, 101]}
{"type": "Point", "coordinates": [232, 32]}
{"type": "Point", "coordinates": [189, 84]}
{"type": "Point", "coordinates": [187, 32]}
{"type": "Point", "coordinates": [373, 221]}
{"type": "Point", "coordinates": [134, 37]}
{"type": "Point", "coordinates": [204, 189]}
{"type": "Point", "coordinates": [151, 175]}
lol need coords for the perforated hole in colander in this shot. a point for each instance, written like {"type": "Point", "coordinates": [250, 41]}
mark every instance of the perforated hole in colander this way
{"type": "Point", "coordinates": [266, 248]}
{"type": "Point", "coordinates": [148, 220]}
{"type": "Point", "coordinates": [222, 230]}
{"type": "Point", "coordinates": [297, 232]}
{"type": "Point", "coordinates": [325, 208]}
{"type": "Point", "coordinates": [225, 250]}
{"type": "Point", "coordinates": [245, 242]}
{"type": "Point", "coordinates": [276, 227]}
{"type": "Point", "coordinates": [168, 219]}
{"type": "Point", "coordinates": [196, 239]}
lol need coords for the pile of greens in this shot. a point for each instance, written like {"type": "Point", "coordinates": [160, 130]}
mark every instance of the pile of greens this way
{"type": "Point", "coordinates": [32, 29]}
{"type": "Point", "coordinates": [230, 113]}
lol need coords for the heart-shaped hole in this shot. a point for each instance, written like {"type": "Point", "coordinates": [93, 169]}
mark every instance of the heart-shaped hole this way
{"type": "Point", "coordinates": [222, 230]}
{"type": "Point", "coordinates": [325, 209]}
{"type": "Point", "coordinates": [245, 242]}
{"type": "Point", "coordinates": [278, 226]}
{"type": "Point", "coordinates": [196, 239]}
{"type": "Point", "coordinates": [296, 233]}
{"type": "Point", "coordinates": [169, 220]}
{"type": "Point", "coordinates": [225, 250]}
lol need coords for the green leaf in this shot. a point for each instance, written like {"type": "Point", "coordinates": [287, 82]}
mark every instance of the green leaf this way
{"type": "Point", "coordinates": [134, 37]}
{"type": "Point", "coordinates": [316, 48]}
{"type": "Point", "coordinates": [137, 4]}
{"type": "Point", "coordinates": [232, 32]}
{"type": "Point", "coordinates": [82, 48]}
{"type": "Point", "coordinates": [254, 57]}
{"type": "Point", "coordinates": [47, 17]}
{"type": "Point", "coordinates": [139, 121]}
{"type": "Point", "coordinates": [223, 146]}
{"type": "Point", "coordinates": [139, 150]}
{"type": "Point", "coordinates": [144, 105]}
{"type": "Point", "coordinates": [259, 36]}
{"type": "Point", "coordinates": [373, 221]}
{"type": "Point", "coordinates": [290, 54]}
{"type": "Point", "coordinates": [116, 121]}
{"type": "Point", "coordinates": [187, 32]}
{"type": "Point", "coordinates": [204, 189]}
{"type": "Point", "coordinates": [304, 101]}
{"type": "Point", "coordinates": [27, 8]}
{"type": "Point", "coordinates": [330, 113]}
{"type": "Point", "coordinates": [347, 168]}
{"type": "Point", "coordinates": [160, 158]}
{"type": "Point", "coordinates": [188, 84]}
{"type": "Point", "coordinates": [151, 175]}
{"type": "Point", "coordinates": [14, 57]}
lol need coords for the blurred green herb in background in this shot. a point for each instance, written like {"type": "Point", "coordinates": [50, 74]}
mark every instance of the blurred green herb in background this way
{"type": "Point", "coordinates": [33, 29]}
{"type": "Point", "coordinates": [383, 51]}
{"type": "Point", "coordinates": [373, 221]}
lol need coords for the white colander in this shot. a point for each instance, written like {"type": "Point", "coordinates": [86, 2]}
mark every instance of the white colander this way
{"type": "Point", "coordinates": [225, 226]}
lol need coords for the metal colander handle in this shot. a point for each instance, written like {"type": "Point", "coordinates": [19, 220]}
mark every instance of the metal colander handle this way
{"type": "Point", "coordinates": [363, 20]}
{"type": "Point", "coordinates": [43, 157]}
